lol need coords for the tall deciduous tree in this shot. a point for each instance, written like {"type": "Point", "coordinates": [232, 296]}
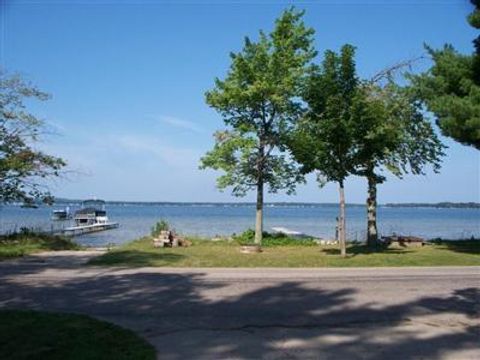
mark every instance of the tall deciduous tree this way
{"type": "Point", "coordinates": [391, 132]}
{"type": "Point", "coordinates": [375, 135]}
{"type": "Point", "coordinates": [23, 168]}
{"type": "Point", "coordinates": [259, 102]}
{"type": "Point", "coordinates": [323, 140]}
{"type": "Point", "coordinates": [451, 89]}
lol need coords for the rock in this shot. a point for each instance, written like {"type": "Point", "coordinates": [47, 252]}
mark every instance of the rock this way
{"type": "Point", "coordinates": [326, 242]}
{"type": "Point", "coordinates": [170, 239]}
{"type": "Point", "coordinates": [184, 242]}
{"type": "Point", "coordinates": [403, 241]}
{"type": "Point", "coordinates": [250, 249]}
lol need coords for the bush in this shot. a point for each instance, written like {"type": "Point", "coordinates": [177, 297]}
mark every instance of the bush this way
{"type": "Point", "coordinates": [161, 225]}
{"type": "Point", "coordinates": [247, 237]}
{"type": "Point", "coordinates": [272, 239]}
{"type": "Point", "coordinates": [27, 241]}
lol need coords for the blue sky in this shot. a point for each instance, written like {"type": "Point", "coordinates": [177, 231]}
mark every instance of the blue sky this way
{"type": "Point", "coordinates": [128, 82]}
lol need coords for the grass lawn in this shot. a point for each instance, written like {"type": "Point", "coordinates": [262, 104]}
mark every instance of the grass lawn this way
{"type": "Point", "coordinates": [227, 254]}
{"type": "Point", "coordinates": [41, 335]}
{"type": "Point", "coordinates": [26, 242]}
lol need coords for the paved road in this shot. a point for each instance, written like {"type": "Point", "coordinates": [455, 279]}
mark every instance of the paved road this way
{"type": "Point", "coordinates": [390, 313]}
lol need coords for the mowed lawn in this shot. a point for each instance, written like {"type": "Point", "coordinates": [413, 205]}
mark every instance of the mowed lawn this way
{"type": "Point", "coordinates": [227, 254]}
{"type": "Point", "coordinates": [44, 335]}
{"type": "Point", "coordinates": [26, 242]}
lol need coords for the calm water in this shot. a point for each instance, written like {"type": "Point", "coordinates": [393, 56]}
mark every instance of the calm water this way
{"type": "Point", "coordinates": [210, 220]}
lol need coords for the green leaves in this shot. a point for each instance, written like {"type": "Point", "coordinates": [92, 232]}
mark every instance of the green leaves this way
{"type": "Point", "coordinates": [21, 166]}
{"type": "Point", "coordinates": [399, 137]}
{"type": "Point", "coordinates": [474, 17]}
{"type": "Point", "coordinates": [236, 155]}
{"type": "Point", "coordinates": [449, 91]}
{"type": "Point", "coordinates": [322, 140]}
{"type": "Point", "coordinates": [358, 127]}
{"type": "Point", "coordinates": [259, 102]}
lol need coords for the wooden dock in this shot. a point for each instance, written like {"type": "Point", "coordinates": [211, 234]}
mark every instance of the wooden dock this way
{"type": "Point", "coordinates": [86, 229]}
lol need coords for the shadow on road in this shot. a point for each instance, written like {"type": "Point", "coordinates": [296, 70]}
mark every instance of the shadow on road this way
{"type": "Point", "coordinates": [186, 316]}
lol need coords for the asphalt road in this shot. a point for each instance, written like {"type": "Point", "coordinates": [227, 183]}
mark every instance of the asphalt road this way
{"type": "Point", "coordinates": [367, 313]}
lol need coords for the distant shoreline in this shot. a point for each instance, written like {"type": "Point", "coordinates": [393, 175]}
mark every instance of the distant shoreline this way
{"type": "Point", "coordinates": [440, 205]}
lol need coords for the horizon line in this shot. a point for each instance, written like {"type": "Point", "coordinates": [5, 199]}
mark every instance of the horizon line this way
{"type": "Point", "coordinates": [271, 202]}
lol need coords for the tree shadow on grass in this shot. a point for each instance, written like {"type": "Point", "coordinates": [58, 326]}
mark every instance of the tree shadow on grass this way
{"type": "Point", "coordinates": [136, 258]}
{"type": "Point", "coordinates": [361, 249]}
{"type": "Point", "coordinates": [461, 246]}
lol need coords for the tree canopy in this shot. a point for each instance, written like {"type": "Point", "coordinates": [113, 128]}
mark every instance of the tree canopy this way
{"type": "Point", "coordinates": [394, 134]}
{"type": "Point", "coordinates": [323, 139]}
{"type": "Point", "coordinates": [474, 20]}
{"type": "Point", "coordinates": [259, 102]}
{"type": "Point", "coordinates": [391, 132]}
{"type": "Point", "coordinates": [23, 168]}
{"type": "Point", "coordinates": [450, 92]}
{"type": "Point", "coordinates": [451, 89]}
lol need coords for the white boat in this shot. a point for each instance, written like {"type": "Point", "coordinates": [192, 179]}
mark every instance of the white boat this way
{"type": "Point", "coordinates": [90, 218]}
{"type": "Point", "coordinates": [288, 232]}
{"type": "Point", "coordinates": [61, 215]}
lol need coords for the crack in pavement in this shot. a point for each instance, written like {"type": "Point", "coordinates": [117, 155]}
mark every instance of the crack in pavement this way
{"type": "Point", "coordinates": [250, 328]}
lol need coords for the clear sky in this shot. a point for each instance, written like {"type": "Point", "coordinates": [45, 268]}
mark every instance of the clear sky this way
{"type": "Point", "coordinates": [128, 82]}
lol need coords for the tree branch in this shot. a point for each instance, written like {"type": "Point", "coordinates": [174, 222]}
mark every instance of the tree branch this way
{"type": "Point", "coordinates": [389, 72]}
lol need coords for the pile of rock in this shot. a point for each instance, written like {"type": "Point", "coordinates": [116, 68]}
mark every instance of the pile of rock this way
{"type": "Point", "coordinates": [168, 238]}
{"type": "Point", "coordinates": [403, 241]}
{"type": "Point", "coordinates": [326, 242]}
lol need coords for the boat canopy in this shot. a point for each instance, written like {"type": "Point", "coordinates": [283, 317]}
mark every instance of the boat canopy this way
{"type": "Point", "coordinates": [93, 203]}
{"type": "Point", "coordinates": [90, 211]}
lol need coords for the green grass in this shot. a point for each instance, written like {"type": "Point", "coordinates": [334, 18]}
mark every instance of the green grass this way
{"type": "Point", "coordinates": [42, 335]}
{"type": "Point", "coordinates": [205, 253]}
{"type": "Point", "coordinates": [27, 242]}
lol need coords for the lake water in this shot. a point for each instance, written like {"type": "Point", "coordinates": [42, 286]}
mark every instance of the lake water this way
{"type": "Point", "coordinates": [219, 219]}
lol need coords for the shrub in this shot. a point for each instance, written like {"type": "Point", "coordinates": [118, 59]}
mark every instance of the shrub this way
{"type": "Point", "coordinates": [245, 238]}
{"type": "Point", "coordinates": [272, 239]}
{"type": "Point", "coordinates": [28, 241]}
{"type": "Point", "coordinates": [161, 225]}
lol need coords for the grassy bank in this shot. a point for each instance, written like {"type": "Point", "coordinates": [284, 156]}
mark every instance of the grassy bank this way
{"type": "Point", "coordinates": [227, 254]}
{"type": "Point", "coordinates": [27, 242]}
{"type": "Point", "coordinates": [40, 335]}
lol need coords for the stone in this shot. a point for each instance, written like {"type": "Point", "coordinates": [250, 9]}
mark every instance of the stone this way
{"type": "Point", "coordinates": [250, 249]}
{"type": "Point", "coordinates": [403, 241]}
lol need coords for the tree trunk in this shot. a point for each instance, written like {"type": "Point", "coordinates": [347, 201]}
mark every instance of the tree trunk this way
{"type": "Point", "coordinates": [259, 217]}
{"type": "Point", "coordinates": [372, 233]}
{"type": "Point", "coordinates": [342, 222]}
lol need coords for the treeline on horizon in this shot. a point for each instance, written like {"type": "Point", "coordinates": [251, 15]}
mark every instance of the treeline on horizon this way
{"type": "Point", "coordinates": [459, 205]}
{"type": "Point", "coordinates": [445, 204]}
